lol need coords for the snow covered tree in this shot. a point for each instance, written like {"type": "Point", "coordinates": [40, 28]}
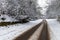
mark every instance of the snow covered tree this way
{"type": "Point", "coordinates": [53, 9]}
{"type": "Point", "coordinates": [16, 8]}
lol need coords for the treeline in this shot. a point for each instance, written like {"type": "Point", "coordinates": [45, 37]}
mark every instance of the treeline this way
{"type": "Point", "coordinates": [15, 8]}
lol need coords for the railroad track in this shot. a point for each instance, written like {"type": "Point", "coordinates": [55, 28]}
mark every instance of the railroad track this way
{"type": "Point", "coordinates": [38, 32]}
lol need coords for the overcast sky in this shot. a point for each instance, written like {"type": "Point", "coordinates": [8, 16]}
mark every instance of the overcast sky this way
{"type": "Point", "coordinates": [43, 4]}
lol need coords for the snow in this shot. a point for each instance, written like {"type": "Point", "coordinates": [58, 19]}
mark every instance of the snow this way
{"type": "Point", "coordinates": [54, 28]}
{"type": "Point", "coordinates": [12, 31]}
{"type": "Point", "coordinates": [8, 18]}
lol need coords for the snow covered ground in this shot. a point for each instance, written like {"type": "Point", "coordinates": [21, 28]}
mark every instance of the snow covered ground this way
{"type": "Point", "coordinates": [10, 32]}
{"type": "Point", "coordinates": [54, 28]}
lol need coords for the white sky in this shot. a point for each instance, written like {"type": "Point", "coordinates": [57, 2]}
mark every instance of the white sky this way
{"type": "Point", "coordinates": [43, 4]}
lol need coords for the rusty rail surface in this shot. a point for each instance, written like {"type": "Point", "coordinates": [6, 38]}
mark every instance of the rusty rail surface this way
{"type": "Point", "coordinates": [43, 36]}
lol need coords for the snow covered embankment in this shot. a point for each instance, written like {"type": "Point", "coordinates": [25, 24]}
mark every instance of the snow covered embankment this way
{"type": "Point", "coordinates": [10, 32]}
{"type": "Point", "coordinates": [54, 27]}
